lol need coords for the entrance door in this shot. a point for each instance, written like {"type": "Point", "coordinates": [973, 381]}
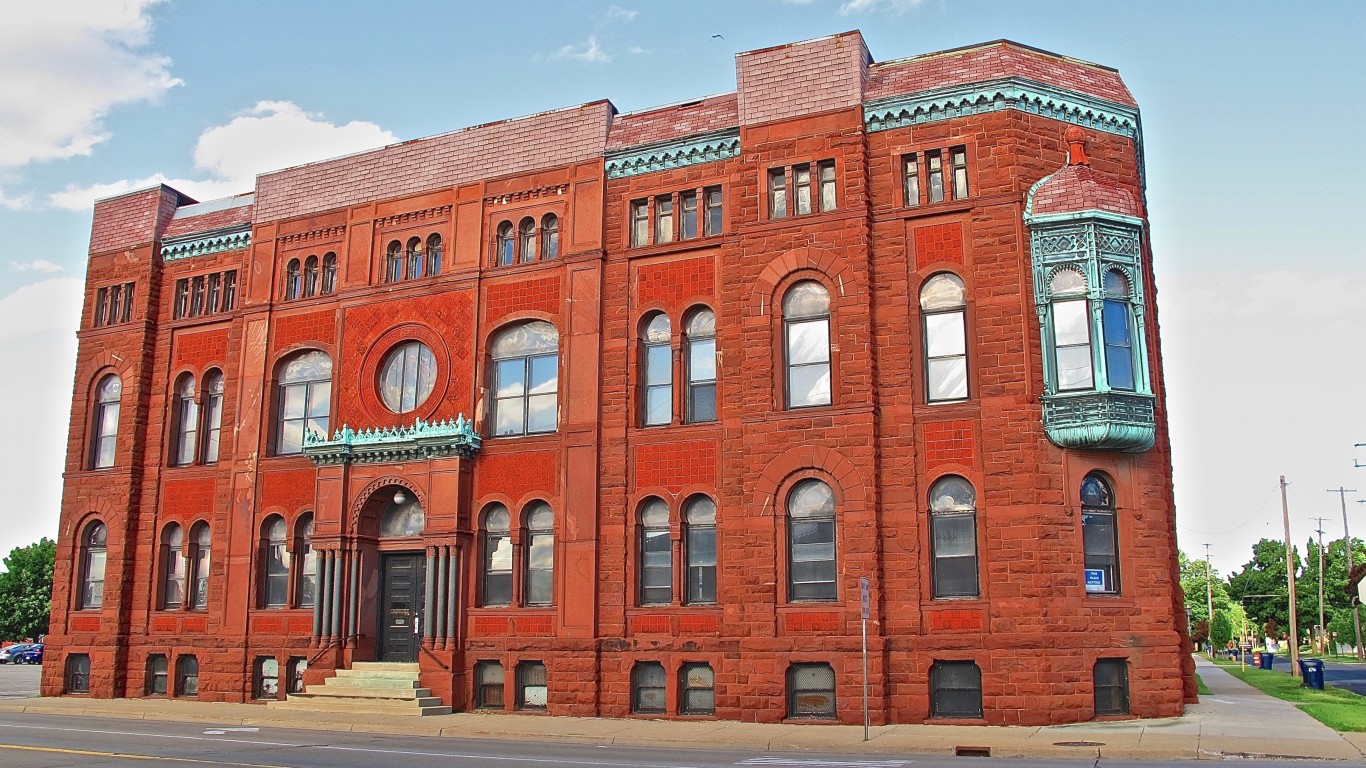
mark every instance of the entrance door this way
{"type": "Point", "coordinates": [400, 629]}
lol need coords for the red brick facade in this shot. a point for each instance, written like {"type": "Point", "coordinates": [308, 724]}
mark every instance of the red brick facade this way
{"type": "Point", "coordinates": [1032, 629]}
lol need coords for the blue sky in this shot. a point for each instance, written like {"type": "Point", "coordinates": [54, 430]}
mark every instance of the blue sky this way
{"type": "Point", "coordinates": [1252, 118]}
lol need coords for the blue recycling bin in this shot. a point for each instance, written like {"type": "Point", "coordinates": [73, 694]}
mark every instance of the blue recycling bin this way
{"type": "Point", "coordinates": [1311, 672]}
{"type": "Point", "coordinates": [1266, 659]}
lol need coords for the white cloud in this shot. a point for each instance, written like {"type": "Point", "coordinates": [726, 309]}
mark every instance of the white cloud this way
{"type": "Point", "coordinates": [617, 13]}
{"type": "Point", "coordinates": [269, 136]}
{"type": "Point", "coordinates": [893, 7]}
{"type": "Point", "coordinates": [66, 65]}
{"type": "Point", "coordinates": [37, 265]}
{"type": "Point", "coordinates": [587, 53]}
{"type": "Point", "coordinates": [38, 347]}
{"type": "Point", "coordinates": [636, 50]}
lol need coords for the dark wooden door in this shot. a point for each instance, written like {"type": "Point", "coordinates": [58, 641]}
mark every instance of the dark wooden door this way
{"type": "Point", "coordinates": [400, 616]}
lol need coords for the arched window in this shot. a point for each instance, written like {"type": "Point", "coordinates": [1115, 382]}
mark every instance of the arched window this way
{"type": "Point", "coordinates": [526, 240]}
{"type": "Point", "coordinates": [696, 690]}
{"type": "Point", "coordinates": [955, 689]}
{"type": "Point", "coordinates": [434, 255]}
{"type": "Point", "coordinates": [497, 586]}
{"type": "Point", "coordinates": [329, 279]}
{"type": "Point", "coordinates": [213, 415]}
{"type": "Point", "coordinates": [293, 280]}
{"type": "Point", "coordinates": [393, 262]}
{"type": "Point", "coordinates": [186, 676]}
{"type": "Point", "coordinates": [106, 422]}
{"type": "Point", "coordinates": [657, 371]}
{"type": "Point", "coordinates": [77, 673]}
{"type": "Point", "coordinates": [526, 379]}
{"type": "Point", "coordinates": [275, 563]}
{"type": "Point", "coordinates": [186, 421]}
{"type": "Point", "coordinates": [1071, 331]}
{"type": "Point", "coordinates": [656, 554]}
{"type": "Point", "coordinates": [94, 546]}
{"type": "Point", "coordinates": [647, 688]}
{"type": "Point", "coordinates": [811, 691]}
{"type": "Point", "coordinates": [550, 237]}
{"type": "Point", "coordinates": [305, 592]}
{"type": "Point", "coordinates": [540, 554]}
{"type": "Point", "coordinates": [699, 545]}
{"type": "Point", "coordinates": [1117, 324]}
{"type": "Point", "coordinates": [403, 517]}
{"type": "Point", "coordinates": [806, 329]}
{"type": "Point", "coordinates": [943, 307]}
{"type": "Point", "coordinates": [700, 356]}
{"type": "Point", "coordinates": [416, 259]}
{"type": "Point", "coordinates": [172, 568]}
{"type": "Point", "coordinates": [407, 376]}
{"type": "Point", "coordinates": [310, 276]}
{"type": "Point", "coordinates": [811, 542]}
{"type": "Point", "coordinates": [303, 401]}
{"type": "Point", "coordinates": [155, 684]}
{"type": "Point", "coordinates": [507, 246]}
{"type": "Point", "coordinates": [1100, 535]}
{"type": "Point", "coordinates": [953, 535]}
{"type": "Point", "coordinates": [200, 548]}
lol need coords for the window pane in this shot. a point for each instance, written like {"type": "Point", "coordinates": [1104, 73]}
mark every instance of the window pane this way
{"type": "Point", "coordinates": [777, 193]}
{"type": "Point", "coordinates": [545, 372]}
{"type": "Point", "coordinates": [943, 291]}
{"type": "Point", "coordinates": [714, 211]}
{"type": "Point", "coordinates": [658, 364]}
{"type": "Point", "coordinates": [954, 534]}
{"type": "Point", "coordinates": [827, 180]}
{"type": "Point", "coordinates": [541, 413]}
{"type": "Point", "coordinates": [948, 379]}
{"type": "Point", "coordinates": [945, 334]}
{"type": "Point", "coordinates": [688, 226]}
{"type": "Point", "coordinates": [1070, 323]}
{"type": "Point", "coordinates": [1067, 282]}
{"type": "Point", "coordinates": [702, 359]}
{"type": "Point", "coordinates": [510, 378]}
{"type": "Point", "coordinates": [664, 220]}
{"type": "Point", "coordinates": [1074, 368]}
{"type": "Point", "coordinates": [803, 189]}
{"type": "Point", "coordinates": [806, 299]}
{"type": "Point", "coordinates": [808, 341]}
{"type": "Point", "coordinates": [659, 405]}
{"type": "Point", "coordinates": [809, 385]}
{"type": "Point", "coordinates": [508, 417]}
{"type": "Point", "coordinates": [1119, 360]}
{"type": "Point", "coordinates": [702, 403]}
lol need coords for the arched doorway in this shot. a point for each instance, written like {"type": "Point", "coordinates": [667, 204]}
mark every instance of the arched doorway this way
{"type": "Point", "coordinates": [402, 588]}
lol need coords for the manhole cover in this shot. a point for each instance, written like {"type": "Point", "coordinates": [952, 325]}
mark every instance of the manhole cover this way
{"type": "Point", "coordinates": [1078, 743]}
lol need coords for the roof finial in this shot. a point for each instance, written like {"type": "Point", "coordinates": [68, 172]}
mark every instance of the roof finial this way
{"type": "Point", "coordinates": [1076, 146]}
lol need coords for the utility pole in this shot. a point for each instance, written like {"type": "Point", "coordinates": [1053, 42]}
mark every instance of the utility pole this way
{"type": "Point", "coordinates": [1323, 627]}
{"type": "Point", "coordinates": [1209, 602]}
{"type": "Point", "coordinates": [1356, 609]}
{"type": "Point", "coordinates": [1290, 582]}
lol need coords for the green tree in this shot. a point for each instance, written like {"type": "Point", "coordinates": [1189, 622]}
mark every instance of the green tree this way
{"type": "Point", "coordinates": [1221, 629]}
{"type": "Point", "coordinates": [26, 590]}
{"type": "Point", "coordinates": [1264, 574]}
{"type": "Point", "coordinates": [1194, 583]}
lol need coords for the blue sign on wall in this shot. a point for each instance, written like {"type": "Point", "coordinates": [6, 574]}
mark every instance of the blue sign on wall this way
{"type": "Point", "coordinates": [1095, 580]}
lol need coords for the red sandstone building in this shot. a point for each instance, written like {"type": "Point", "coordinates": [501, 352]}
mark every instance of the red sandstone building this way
{"type": "Point", "coordinates": [610, 414]}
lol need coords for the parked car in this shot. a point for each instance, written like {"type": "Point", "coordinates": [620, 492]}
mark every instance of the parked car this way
{"type": "Point", "coordinates": [31, 655]}
{"type": "Point", "coordinates": [10, 653]}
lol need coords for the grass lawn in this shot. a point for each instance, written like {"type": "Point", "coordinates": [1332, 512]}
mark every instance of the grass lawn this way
{"type": "Point", "coordinates": [1336, 708]}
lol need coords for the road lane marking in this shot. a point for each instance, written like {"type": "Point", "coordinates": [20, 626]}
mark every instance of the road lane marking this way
{"type": "Point", "coordinates": [134, 756]}
{"type": "Point", "coordinates": [818, 763]}
{"type": "Point", "coordinates": [145, 734]}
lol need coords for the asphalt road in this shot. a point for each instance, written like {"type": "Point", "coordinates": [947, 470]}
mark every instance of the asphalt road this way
{"type": "Point", "coordinates": [1342, 674]}
{"type": "Point", "coordinates": [41, 741]}
{"type": "Point", "coordinates": [19, 681]}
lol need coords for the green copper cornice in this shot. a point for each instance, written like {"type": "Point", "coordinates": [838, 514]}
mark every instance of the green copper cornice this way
{"type": "Point", "coordinates": [1101, 421]}
{"type": "Point", "coordinates": [994, 95]}
{"type": "Point", "coordinates": [203, 244]}
{"type": "Point", "coordinates": [377, 445]}
{"type": "Point", "coordinates": [673, 154]}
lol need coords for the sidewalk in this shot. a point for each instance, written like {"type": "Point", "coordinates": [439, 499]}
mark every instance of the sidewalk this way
{"type": "Point", "coordinates": [1235, 720]}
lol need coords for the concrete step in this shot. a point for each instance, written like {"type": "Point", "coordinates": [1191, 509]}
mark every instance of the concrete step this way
{"type": "Point", "coordinates": [390, 683]}
{"type": "Point", "coordinates": [423, 707]}
{"type": "Point", "coordinates": [368, 674]}
{"type": "Point", "coordinates": [385, 666]}
{"type": "Point", "coordinates": [368, 693]}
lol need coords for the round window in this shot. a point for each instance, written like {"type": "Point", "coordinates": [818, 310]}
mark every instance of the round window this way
{"type": "Point", "coordinates": [407, 376]}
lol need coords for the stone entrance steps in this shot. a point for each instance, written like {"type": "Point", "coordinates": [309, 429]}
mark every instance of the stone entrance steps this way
{"type": "Point", "coordinates": [379, 687]}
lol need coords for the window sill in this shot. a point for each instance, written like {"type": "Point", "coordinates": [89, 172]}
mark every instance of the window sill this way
{"type": "Point", "coordinates": [504, 269]}
{"type": "Point", "coordinates": [674, 246]}
{"type": "Point", "coordinates": [934, 209]}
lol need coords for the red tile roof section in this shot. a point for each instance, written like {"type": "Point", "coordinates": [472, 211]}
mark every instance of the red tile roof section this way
{"type": "Point", "coordinates": [802, 78]}
{"type": "Point", "coordinates": [1078, 188]}
{"type": "Point", "coordinates": [208, 222]}
{"type": "Point", "coordinates": [523, 144]}
{"type": "Point", "coordinates": [714, 113]}
{"type": "Point", "coordinates": [131, 220]}
{"type": "Point", "coordinates": [991, 61]}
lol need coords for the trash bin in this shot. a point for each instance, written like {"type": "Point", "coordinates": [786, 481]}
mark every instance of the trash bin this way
{"type": "Point", "coordinates": [1311, 671]}
{"type": "Point", "coordinates": [1266, 659]}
